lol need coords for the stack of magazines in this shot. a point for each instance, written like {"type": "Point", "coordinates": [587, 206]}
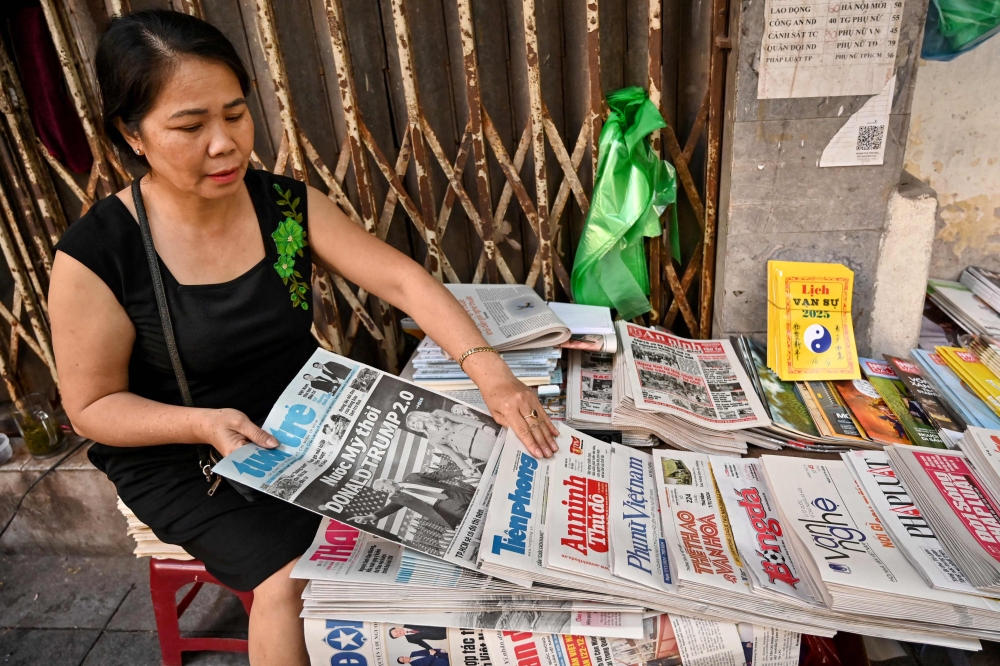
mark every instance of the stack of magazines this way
{"type": "Point", "coordinates": [692, 394]}
{"type": "Point", "coordinates": [434, 368]}
{"type": "Point", "coordinates": [984, 283]}
{"type": "Point", "coordinates": [960, 303]}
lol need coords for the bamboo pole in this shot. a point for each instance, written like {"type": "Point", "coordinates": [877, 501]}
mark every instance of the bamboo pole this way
{"type": "Point", "coordinates": [27, 209]}
{"type": "Point", "coordinates": [276, 63]}
{"type": "Point", "coordinates": [13, 388]}
{"type": "Point", "coordinates": [78, 94]}
{"type": "Point", "coordinates": [487, 232]}
{"type": "Point", "coordinates": [22, 284]}
{"type": "Point", "coordinates": [654, 39]}
{"type": "Point", "coordinates": [421, 161]}
{"type": "Point", "coordinates": [22, 134]}
{"type": "Point", "coordinates": [538, 150]}
{"type": "Point", "coordinates": [596, 112]}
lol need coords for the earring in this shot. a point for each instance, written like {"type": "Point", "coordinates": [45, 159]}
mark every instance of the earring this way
{"type": "Point", "coordinates": [137, 152]}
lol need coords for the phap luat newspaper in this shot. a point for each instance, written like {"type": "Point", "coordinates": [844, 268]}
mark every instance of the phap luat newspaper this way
{"type": "Point", "coordinates": [368, 449]}
{"type": "Point", "coordinates": [901, 517]}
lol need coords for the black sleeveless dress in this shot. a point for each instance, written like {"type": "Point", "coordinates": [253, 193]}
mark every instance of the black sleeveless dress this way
{"type": "Point", "coordinates": [241, 342]}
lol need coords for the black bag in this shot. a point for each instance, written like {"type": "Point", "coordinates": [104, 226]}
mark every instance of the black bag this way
{"type": "Point", "coordinates": [207, 455]}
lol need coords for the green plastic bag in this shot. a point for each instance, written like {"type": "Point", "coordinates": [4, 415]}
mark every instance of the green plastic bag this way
{"type": "Point", "coordinates": [956, 26]}
{"type": "Point", "coordinates": [632, 189]}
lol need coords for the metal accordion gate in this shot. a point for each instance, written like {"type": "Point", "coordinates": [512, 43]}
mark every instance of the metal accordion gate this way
{"type": "Point", "coordinates": [463, 132]}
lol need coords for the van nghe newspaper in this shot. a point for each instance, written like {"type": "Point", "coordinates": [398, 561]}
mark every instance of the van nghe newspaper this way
{"type": "Point", "coordinates": [371, 450]}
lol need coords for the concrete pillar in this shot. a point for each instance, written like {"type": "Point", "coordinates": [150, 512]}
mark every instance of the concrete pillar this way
{"type": "Point", "coordinates": [777, 203]}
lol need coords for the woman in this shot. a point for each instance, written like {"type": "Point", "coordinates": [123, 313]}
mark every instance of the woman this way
{"type": "Point", "coordinates": [173, 93]}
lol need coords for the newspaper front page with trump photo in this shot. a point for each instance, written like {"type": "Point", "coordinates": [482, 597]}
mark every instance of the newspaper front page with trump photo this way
{"type": "Point", "coordinates": [371, 450]}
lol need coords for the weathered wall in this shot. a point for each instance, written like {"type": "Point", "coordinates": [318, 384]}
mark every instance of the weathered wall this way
{"type": "Point", "coordinates": [777, 203]}
{"type": "Point", "coordinates": [954, 146]}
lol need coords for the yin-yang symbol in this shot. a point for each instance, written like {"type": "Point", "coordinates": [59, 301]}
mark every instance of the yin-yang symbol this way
{"type": "Point", "coordinates": [818, 338]}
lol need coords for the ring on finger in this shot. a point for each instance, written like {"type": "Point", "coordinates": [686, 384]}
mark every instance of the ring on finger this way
{"type": "Point", "coordinates": [531, 415]}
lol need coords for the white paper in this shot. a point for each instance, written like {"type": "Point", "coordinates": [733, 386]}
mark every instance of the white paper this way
{"type": "Point", "coordinates": [707, 643]}
{"type": "Point", "coordinates": [861, 141]}
{"type": "Point", "coordinates": [775, 647]}
{"type": "Point", "coordinates": [583, 319]}
{"type": "Point", "coordinates": [826, 48]}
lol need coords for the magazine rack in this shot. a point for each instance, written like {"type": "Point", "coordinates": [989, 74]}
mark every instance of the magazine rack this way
{"type": "Point", "coordinates": [165, 578]}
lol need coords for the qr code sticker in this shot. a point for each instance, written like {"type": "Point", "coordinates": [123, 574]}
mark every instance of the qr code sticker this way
{"type": "Point", "coordinates": [870, 137]}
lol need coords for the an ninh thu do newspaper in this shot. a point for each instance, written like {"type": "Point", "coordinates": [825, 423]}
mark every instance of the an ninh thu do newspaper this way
{"type": "Point", "coordinates": [701, 381]}
{"type": "Point", "coordinates": [367, 448]}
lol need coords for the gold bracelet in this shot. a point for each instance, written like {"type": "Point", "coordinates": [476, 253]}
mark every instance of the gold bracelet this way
{"type": "Point", "coordinates": [470, 352]}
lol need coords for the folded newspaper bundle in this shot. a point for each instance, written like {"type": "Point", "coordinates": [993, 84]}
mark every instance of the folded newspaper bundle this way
{"type": "Point", "coordinates": [148, 544]}
{"type": "Point", "coordinates": [844, 551]}
{"type": "Point", "coordinates": [461, 527]}
{"type": "Point", "coordinates": [511, 316]}
{"type": "Point", "coordinates": [984, 283]}
{"type": "Point", "coordinates": [589, 381]}
{"type": "Point", "coordinates": [960, 303]}
{"type": "Point", "coordinates": [693, 394]}
{"type": "Point", "coordinates": [432, 367]}
{"type": "Point", "coordinates": [665, 640]}
{"type": "Point", "coordinates": [590, 326]}
{"type": "Point", "coordinates": [514, 320]}
{"type": "Point", "coordinates": [960, 510]}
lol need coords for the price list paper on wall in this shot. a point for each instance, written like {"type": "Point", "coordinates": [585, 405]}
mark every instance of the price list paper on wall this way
{"type": "Point", "coordinates": [826, 48]}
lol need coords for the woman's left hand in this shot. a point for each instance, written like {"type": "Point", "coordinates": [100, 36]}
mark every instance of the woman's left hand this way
{"type": "Point", "coordinates": [513, 404]}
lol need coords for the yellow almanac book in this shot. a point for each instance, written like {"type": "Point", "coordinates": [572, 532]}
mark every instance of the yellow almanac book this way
{"type": "Point", "coordinates": [810, 332]}
{"type": "Point", "coordinates": [973, 373]}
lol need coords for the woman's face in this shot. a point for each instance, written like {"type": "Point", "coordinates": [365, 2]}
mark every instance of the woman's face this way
{"type": "Point", "coordinates": [199, 133]}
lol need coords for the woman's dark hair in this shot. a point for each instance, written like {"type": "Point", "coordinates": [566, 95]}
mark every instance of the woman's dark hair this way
{"type": "Point", "coordinates": [135, 57]}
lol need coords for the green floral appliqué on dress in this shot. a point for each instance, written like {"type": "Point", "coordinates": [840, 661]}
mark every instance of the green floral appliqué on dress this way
{"type": "Point", "coordinates": [290, 238]}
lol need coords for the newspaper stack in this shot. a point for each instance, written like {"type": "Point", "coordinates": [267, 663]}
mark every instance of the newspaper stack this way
{"type": "Point", "coordinates": [462, 527]}
{"type": "Point", "coordinates": [956, 504]}
{"type": "Point", "coordinates": [146, 543]}
{"type": "Point", "coordinates": [845, 553]}
{"type": "Point", "coordinates": [692, 394]}
{"type": "Point", "coordinates": [352, 642]}
{"type": "Point", "coordinates": [514, 320]}
{"type": "Point", "coordinates": [357, 575]}
{"type": "Point", "coordinates": [961, 304]}
{"type": "Point", "coordinates": [903, 521]}
{"type": "Point", "coordinates": [982, 448]}
{"type": "Point", "coordinates": [432, 367]}
{"type": "Point", "coordinates": [984, 283]}
{"type": "Point", "coordinates": [589, 382]}
{"type": "Point", "coordinates": [663, 641]}
{"type": "Point", "coordinates": [667, 640]}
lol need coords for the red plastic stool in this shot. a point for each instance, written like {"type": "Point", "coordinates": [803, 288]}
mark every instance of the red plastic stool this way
{"type": "Point", "coordinates": [165, 578]}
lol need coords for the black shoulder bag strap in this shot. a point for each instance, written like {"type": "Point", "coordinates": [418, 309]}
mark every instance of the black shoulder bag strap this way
{"type": "Point", "coordinates": [207, 455]}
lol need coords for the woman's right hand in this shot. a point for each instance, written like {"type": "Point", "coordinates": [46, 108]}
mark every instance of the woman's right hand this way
{"type": "Point", "coordinates": [229, 429]}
